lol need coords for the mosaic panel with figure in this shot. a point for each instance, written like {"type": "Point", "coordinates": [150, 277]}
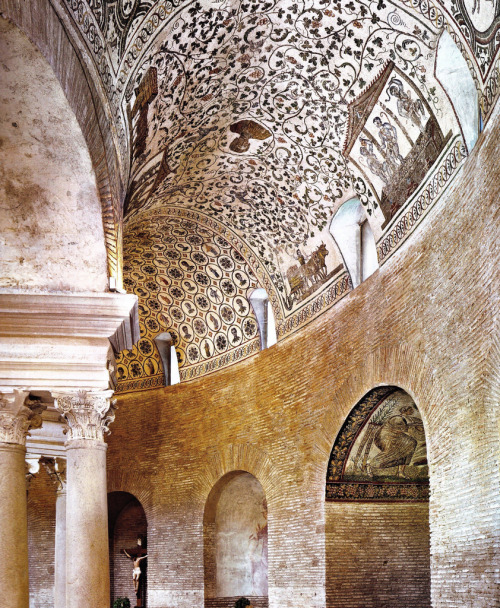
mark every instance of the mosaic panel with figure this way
{"type": "Point", "coordinates": [194, 284]}
{"type": "Point", "coordinates": [380, 452]}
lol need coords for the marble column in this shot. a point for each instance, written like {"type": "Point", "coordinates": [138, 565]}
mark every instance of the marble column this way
{"type": "Point", "coordinates": [17, 415]}
{"type": "Point", "coordinates": [87, 554]}
{"type": "Point", "coordinates": [56, 468]}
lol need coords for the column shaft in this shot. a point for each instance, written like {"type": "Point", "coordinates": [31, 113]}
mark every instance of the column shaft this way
{"type": "Point", "coordinates": [60, 552]}
{"type": "Point", "coordinates": [87, 552]}
{"type": "Point", "coordinates": [14, 588]}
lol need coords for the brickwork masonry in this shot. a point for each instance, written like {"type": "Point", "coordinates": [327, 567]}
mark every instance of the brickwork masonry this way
{"type": "Point", "coordinates": [423, 322]}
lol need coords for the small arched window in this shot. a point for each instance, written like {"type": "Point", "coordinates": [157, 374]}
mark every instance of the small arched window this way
{"type": "Point", "coordinates": [354, 237]}
{"type": "Point", "coordinates": [263, 311]}
{"type": "Point", "coordinates": [454, 75]}
{"type": "Point", "coordinates": [165, 346]}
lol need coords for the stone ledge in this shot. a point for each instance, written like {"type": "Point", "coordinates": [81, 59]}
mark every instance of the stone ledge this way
{"type": "Point", "coordinates": [63, 340]}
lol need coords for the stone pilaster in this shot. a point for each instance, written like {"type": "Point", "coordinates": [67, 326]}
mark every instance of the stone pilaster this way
{"type": "Point", "coordinates": [17, 415]}
{"type": "Point", "coordinates": [87, 415]}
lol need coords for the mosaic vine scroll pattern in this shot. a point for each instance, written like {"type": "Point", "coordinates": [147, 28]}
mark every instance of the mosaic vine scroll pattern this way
{"type": "Point", "coordinates": [194, 284]}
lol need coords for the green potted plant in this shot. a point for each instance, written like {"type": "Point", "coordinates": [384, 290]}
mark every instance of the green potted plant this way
{"type": "Point", "coordinates": [121, 602]}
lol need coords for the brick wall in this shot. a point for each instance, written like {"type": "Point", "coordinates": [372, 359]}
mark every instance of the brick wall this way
{"type": "Point", "coordinates": [424, 322]}
{"type": "Point", "coordinates": [377, 555]}
{"type": "Point", "coordinates": [41, 540]}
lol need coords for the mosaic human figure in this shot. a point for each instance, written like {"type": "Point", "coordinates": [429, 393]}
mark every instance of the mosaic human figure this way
{"type": "Point", "coordinates": [395, 442]}
{"type": "Point", "coordinates": [377, 167]}
{"type": "Point", "coordinates": [388, 136]}
{"type": "Point", "coordinates": [407, 107]}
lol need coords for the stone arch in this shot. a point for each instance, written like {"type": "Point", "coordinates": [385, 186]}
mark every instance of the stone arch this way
{"type": "Point", "coordinates": [51, 214]}
{"type": "Point", "coordinates": [132, 482]}
{"type": "Point", "coordinates": [377, 539]}
{"type": "Point", "coordinates": [60, 47]}
{"type": "Point", "coordinates": [220, 460]}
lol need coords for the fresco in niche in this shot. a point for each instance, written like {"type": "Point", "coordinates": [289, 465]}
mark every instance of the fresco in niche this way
{"type": "Point", "coordinates": [194, 284]}
{"type": "Point", "coordinates": [241, 539]}
{"type": "Point", "coordinates": [393, 138]}
{"type": "Point", "coordinates": [380, 452]}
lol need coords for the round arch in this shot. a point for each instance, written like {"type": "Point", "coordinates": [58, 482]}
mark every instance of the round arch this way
{"type": "Point", "coordinates": [51, 214]}
{"type": "Point", "coordinates": [377, 536]}
{"type": "Point", "coordinates": [235, 541]}
{"type": "Point", "coordinates": [128, 531]}
{"type": "Point", "coordinates": [59, 46]}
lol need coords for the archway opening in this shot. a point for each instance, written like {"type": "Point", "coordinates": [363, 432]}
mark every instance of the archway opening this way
{"type": "Point", "coordinates": [235, 542]}
{"type": "Point", "coordinates": [51, 220]}
{"type": "Point", "coordinates": [377, 538]}
{"type": "Point", "coordinates": [128, 533]}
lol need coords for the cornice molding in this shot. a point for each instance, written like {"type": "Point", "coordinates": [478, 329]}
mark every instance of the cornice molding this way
{"type": "Point", "coordinates": [113, 316]}
{"type": "Point", "coordinates": [62, 341]}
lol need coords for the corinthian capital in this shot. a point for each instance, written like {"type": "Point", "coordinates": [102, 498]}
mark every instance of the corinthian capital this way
{"type": "Point", "coordinates": [18, 415]}
{"type": "Point", "coordinates": [87, 413]}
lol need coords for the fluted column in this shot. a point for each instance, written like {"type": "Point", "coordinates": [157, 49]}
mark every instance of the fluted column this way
{"type": "Point", "coordinates": [87, 555]}
{"type": "Point", "coordinates": [56, 468]}
{"type": "Point", "coordinates": [17, 415]}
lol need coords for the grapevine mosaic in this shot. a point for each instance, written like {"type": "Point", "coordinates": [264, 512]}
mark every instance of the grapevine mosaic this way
{"type": "Point", "coordinates": [267, 115]}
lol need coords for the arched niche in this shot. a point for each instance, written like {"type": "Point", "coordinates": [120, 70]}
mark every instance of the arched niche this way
{"type": "Point", "coordinates": [51, 225]}
{"type": "Point", "coordinates": [128, 526]}
{"type": "Point", "coordinates": [377, 538]}
{"type": "Point", "coordinates": [354, 237]}
{"type": "Point", "coordinates": [235, 542]}
{"type": "Point", "coordinates": [454, 75]}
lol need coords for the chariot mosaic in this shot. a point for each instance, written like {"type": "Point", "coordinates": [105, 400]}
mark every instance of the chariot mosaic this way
{"type": "Point", "coordinates": [267, 115]}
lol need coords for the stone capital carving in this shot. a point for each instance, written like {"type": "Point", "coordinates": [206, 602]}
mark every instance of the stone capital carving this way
{"type": "Point", "coordinates": [18, 414]}
{"type": "Point", "coordinates": [87, 413]}
{"type": "Point", "coordinates": [56, 468]}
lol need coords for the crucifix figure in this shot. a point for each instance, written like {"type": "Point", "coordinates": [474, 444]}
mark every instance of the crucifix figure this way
{"type": "Point", "coordinates": [136, 555]}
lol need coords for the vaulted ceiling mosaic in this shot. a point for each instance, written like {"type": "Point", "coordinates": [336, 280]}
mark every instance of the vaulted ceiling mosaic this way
{"type": "Point", "coordinates": [263, 117]}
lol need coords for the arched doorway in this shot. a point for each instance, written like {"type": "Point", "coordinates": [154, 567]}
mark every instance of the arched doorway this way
{"type": "Point", "coordinates": [235, 542]}
{"type": "Point", "coordinates": [377, 538]}
{"type": "Point", "coordinates": [128, 530]}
